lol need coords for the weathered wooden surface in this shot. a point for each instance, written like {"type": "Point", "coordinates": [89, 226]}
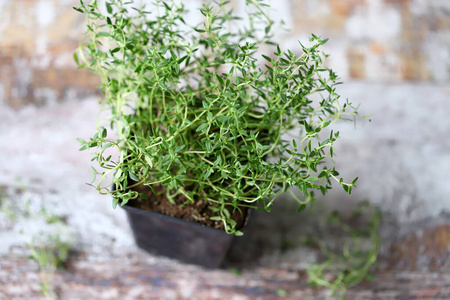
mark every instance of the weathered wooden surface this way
{"type": "Point", "coordinates": [146, 277]}
{"type": "Point", "coordinates": [415, 240]}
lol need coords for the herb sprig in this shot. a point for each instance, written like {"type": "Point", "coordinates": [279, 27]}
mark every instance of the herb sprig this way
{"type": "Point", "coordinates": [199, 110]}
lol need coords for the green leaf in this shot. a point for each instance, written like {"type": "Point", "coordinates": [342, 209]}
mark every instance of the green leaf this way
{"type": "Point", "coordinates": [117, 175]}
{"type": "Point", "coordinates": [346, 188]}
{"type": "Point", "coordinates": [282, 293]}
{"type": "Point", "coordinates": [78, 9]}
{"type": "Point", "coordinates": [133, 176]}
{"type": "Point", "coordinates": [115, 201]}
{"type": "Point", "coordinates": [179, 148]}
{"type": "Point", "coordinates": [267, 58]}
{"type": "Point", "coordinates": [301, 207]}
{"type": "Point", "coordinates": [104, 133]}
{"type": "Point", "coordinates": [218, 160]}
{"type": "Point", "coordinates": [168, 8]}
{"type": "Point", "coordinates": [235, 271]}
{"type": "Point", "coordinates": [103, 34]}
{"type": "Point", "coordinates": [106, 146]}
{"type": "Point", "coordinates": [202, 127]}
{"type": "Point", "coordinates": [75, 58]}
{"type": "Point", "coordinates": [108, 7]}
{"type": "Point", "coordinates": [124, 201]}
{"type": "Point", "coordinates": [182, 59]}
{"type": "Point", "coordinates": [143, 196]}
{"type": "Point", "coordinates": [84, 147]}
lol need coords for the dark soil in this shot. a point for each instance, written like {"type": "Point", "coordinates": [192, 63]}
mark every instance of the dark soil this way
{"type": "Point", "coordinates": [197, 212]}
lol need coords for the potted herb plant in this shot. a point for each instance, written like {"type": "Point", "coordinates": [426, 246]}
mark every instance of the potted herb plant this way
{"type": "Point", "coordinates": [200, 119]}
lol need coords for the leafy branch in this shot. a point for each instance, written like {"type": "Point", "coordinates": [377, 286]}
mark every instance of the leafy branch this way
{"type": "Point", "coordinates": [200, 110]}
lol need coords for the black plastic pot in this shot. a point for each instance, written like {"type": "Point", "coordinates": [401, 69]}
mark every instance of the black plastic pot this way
{"type": "Point", "coordinates": [186, 241]}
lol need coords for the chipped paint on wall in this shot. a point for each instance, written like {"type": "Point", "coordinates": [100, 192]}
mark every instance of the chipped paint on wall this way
{"type": "Point", "coordinates": [38, 40]}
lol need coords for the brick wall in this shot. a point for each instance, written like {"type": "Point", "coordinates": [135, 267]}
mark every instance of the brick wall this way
{"type": "Point", "coordinates": [380, 40]}
{"type": "Point", "coordinates": [38, 38]}
{"type": "Point", "coordinates": [376, 40]}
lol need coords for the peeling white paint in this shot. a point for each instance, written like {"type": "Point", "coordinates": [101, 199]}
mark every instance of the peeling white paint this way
{"type": "Point", "coordinates": [23, 78]}
{"type": "Point", "coordinates": [2, 93]}
{"type": "Point", "coordinates": [438, 56]}
{"type": "Point", "coordinates": [354, 25]}
{"type": "Point", "coordinates": [337, 60]}
{"type": "Point", "coordinates": [45, 13]}
{"type": "Point", "coordinates": [41, 44]}
{"type": "Point", "coordinates": [2, 4]}
{"type": "Point", "coordinates": [281, 11]}
{"type": "Point", "coordinates": [376, 22]}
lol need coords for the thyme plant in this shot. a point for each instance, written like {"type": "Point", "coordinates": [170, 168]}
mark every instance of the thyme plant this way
{"type": "Point", "coordinates": [199, 110]}
{"type": "Point", "coordinates": [359, 252]}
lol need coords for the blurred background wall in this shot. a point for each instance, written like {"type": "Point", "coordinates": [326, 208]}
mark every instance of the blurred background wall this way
{"type": "Point", "coordinates": [393, 56]}
{"type": "Point", "coordinates": [37, 40]}
{"type": "Point", "coordinates": [381, 40]}
{"type": "Point", "coordinates": [375, 40]}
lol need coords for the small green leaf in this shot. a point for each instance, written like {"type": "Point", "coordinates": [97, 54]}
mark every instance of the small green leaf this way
{"type": "Point", "coordinates": [78, 9]}
{"type": "Point", "coordinates": [104, 133]}
{"type": "Point", "coordinates": [115, 201]}
{"type": "Point", "coordinates": [143, 196]}
{"type": "Point", "coordinates": [133, 176]}
{"type": "Point", "coordinates": [301, 207]}
{"type": "Point", "coordinates": [103, 34]}
{"type": "Point", "coordinates": [179, 148]}
{"type": "Point", "coordinates": [282, 293]}
{"type": "Point", "coordinates": [75, 58]}
{"type": "Point", "coordinates": [124, 201]}
{"type": "Point", "coordinates": [117, 175]}
{"type": "Point", "coordinates": [323, 190]}
{"type": "Point", "coordinates": [346, 188]}
{"type": "Point", "coordinates": [202, 127]}
{"type": "Point", "coordinates": [235, 271]}
{"type": "Point", "coordinates": [106, 146]}
{"type": "Point", "coordinates": [267, 58]}
{"type": "Point", "coordinates": [108, 7]}
{"type": "Point", "coordinates": [168, 8]}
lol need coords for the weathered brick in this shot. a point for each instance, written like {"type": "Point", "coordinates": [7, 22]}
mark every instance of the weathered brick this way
{"type": "Point", "coordinates": [400, 40]}
{"type": "Point", "coordinates": [427, 250]}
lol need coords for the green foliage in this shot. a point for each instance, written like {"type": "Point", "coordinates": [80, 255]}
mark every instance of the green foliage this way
{"type": "Point", "coordinates": [199, 110]}
{"type": "Point", "coordinates": [341, 271]}
{"type": "Point", "coordinates": [7, 210]}
{"type": "Point", "coordinates": [282, 293]}
{"type": "Point", "coordinates": [49, 246]}
{"type": "Point", "coordinates": [50, 252]}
